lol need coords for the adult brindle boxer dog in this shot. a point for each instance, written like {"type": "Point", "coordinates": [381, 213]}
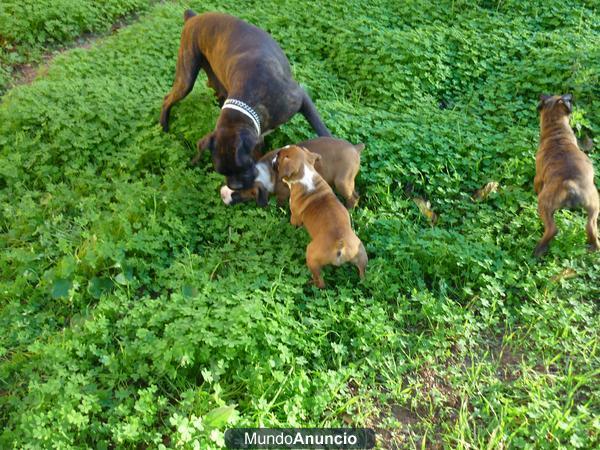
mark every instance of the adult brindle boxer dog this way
{"type": "Point", "coordinates": [253, 83]}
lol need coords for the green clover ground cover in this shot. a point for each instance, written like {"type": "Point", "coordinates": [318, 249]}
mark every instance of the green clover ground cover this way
{"type": "Point", "coordinates": [137, 310]}
{"type": "Point", "coordinates": [30, 27]}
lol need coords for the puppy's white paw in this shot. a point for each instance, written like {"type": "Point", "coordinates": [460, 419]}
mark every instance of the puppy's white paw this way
{"type": "Point", "coordinates": [226, 194]}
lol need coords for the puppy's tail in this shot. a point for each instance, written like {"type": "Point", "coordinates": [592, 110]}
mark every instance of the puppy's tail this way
{"type": "Point", "coordinates": [572, 194]}
{"type": "Point", "coordinates": [340, 250]}
{"type": "Point", "coordinates": [188, 14]}
{"type": "Point", "coordinates": [359, 147]}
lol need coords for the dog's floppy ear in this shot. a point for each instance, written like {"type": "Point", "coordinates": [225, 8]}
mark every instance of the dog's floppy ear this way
{"type": "Point", "coordinates": [245, 144]}
{"type": "Point", "coordinates": [285, 166]}
{"type": "Point", "coordinates": [311, 157]}
{"type": "Point", "coordinates": [567, 100]}
{"type": "Point", "coordinates": [208, 141]}
{"type": "Point", "coordinates": [543, 98]}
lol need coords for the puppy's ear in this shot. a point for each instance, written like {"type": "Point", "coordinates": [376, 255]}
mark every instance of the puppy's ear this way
{"type": "Point", "coordinates": [236, 198]}
{"type": "Point", "coordinates": [243, 195]}
{"type": "Point", "coordinates": [311, 157]}
{"type": "Point", "coordinates": [274, 162]}
{"type": "Point", "coordinates": [286, 167]}
{"type": "Point", "coordinates": [262, 196]}
{"type": "Point", "coordinates": [543, 98]}
{"type": "Point", "coordinates": [567, 100]}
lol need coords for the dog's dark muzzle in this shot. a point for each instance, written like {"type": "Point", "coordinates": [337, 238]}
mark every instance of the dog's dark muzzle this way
{"type": "Point", "coordinates": [243, 180]}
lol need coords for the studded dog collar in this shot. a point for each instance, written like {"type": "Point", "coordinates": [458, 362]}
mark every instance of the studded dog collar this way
{"type": "Point", "coordinates": [242, 107]}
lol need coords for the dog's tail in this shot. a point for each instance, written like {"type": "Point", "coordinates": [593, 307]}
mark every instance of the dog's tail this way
{"type": "Point", "coordinates": [359, 147]}
{"type": "Point", "coordinates": [188, 14]}
{"type": "Point", "coordinates": [340, 250]}
{"type": "Point", "coordinates": [572, 194]}
{"type": "Point", "coordinates": [309, 111]}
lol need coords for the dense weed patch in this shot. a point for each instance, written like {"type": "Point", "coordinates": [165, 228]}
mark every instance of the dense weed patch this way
{"type": "Point", "coordinates": [28, 28]}
{"type": "Point", "coordinates": [137, 309]}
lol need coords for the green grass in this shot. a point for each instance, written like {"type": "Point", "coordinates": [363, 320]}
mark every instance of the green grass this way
{"type": "Point", "coordinates": [134, 304]}
{"type": "Point", "coordinates": [28, 28]}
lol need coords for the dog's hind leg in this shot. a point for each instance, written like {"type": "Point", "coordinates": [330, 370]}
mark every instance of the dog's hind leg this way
{"type": "Point", "coordinates": [314, 263]}
{"type": "Point", "coordinates": [360, 260]}
{"type": "Point", "coordinates": [309, 111]}
{"type": "Point", "coordinates": [546, 212]}
{"type": "Point", "coordinates": [186, 71]}
{"type": "Point", "coordinates": [345, 186]}
{"type": "Point", "coordinates": [538, 184]}
{"type": "Point", "coordinates": [592, 227]}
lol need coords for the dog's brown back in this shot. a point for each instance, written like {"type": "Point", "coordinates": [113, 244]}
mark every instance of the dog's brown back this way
{"type": "Point", "coordinates": [564, 174]}
{"type": "Point", "coordinates": [312, 207]}
{"type": "Point", "coordinates": [339, 164]}
{"type": "Point", "coordinates": [335, 154]}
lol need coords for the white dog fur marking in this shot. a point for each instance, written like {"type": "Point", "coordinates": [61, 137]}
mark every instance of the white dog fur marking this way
{"type": "Point", "coordinates": [264, 177]}
{"type": "Point", "coordinates": [307, 179]}
{"type": "Point", "coordinates": [226, 194]}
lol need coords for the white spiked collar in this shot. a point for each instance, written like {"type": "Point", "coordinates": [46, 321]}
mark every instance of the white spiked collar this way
{"type": "Point", "coordinates": [242, 107]}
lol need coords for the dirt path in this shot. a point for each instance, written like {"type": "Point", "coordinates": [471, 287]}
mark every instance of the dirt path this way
{"type": "Point", "coordinates": [26, 73]}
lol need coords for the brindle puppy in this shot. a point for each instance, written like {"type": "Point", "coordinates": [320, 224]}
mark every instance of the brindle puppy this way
{"type": "Point", "coordinates": [564, 174]}
{"type": "Point", "coordinates": [245, 66]}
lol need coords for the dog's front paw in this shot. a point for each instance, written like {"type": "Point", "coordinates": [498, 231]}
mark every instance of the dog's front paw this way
{"type": "Point", "coordinates": [164, 122]}
{"type": "Point", "coordinates": [319, 283]}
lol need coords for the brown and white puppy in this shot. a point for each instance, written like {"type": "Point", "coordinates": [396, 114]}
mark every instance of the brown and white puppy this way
{"type": "Point", "coordinates": [314, 205]}
{"type": "Point", "coordinates": [564, 175]}
{"type": "Point", "coordinates": [265, 184]}
{"type": "Point", "coordinates": [253, 83]}
{"type": "Point", "coordinates": [339, 164]}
